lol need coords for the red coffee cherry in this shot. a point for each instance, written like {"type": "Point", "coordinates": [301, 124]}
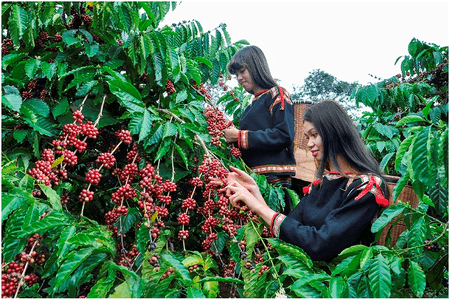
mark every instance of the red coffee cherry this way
{"type": "Point", "coordinates": [86, 195]}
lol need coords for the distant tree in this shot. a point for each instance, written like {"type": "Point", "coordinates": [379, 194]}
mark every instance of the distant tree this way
{"type": "Point", "coordinates": [320, 85]}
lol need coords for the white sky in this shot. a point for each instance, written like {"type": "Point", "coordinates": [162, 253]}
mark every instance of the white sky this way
{"type": "Point", "coordinates": [348, 40]}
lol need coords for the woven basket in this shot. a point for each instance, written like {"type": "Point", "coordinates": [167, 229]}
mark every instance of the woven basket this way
{"type": "Point", "coordinates": [300, 140]}
{"type": "Point", "coordinates": [407, 195]}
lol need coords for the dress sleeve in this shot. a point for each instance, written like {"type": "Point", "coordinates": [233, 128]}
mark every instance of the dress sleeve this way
{"type": "Point", "coordinates": [280, 136]}
{"type": "Point", "coordinates": [341, 228]}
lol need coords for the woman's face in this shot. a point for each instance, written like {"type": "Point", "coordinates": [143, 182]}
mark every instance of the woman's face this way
{"type": "Point", "coordinates": [245, 79]}
{"type": "Point", "coordinates": [315, 144]}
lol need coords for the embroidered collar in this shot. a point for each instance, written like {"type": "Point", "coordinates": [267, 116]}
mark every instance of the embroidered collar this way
{"type": "Point", "coordinates": [259, 94]}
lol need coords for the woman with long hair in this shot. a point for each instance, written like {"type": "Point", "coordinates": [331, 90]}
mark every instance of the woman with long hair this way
{"type": "Point", "coordinates": [266, 128]}
{"type": "Point", "coordinates": [339, 206]}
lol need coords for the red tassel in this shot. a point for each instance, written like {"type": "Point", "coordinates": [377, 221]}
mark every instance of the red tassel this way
{"type": "Point", "coordinates": [281, 97]}
{"type": "Point", "coordinates": [306, 189]}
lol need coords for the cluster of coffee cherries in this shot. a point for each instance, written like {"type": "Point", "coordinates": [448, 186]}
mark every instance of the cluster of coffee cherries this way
{"type": "Point", "coordinates": [7, 43]}
{"type": "Point", "coordinates": [13, 276]}
{"type": "Point", "coordinates": [170, 88]}
{"type": "Point", "coordinates": [127, 256]}
{"type": "Point", "coordinates": [222, 84]}
{"type": "Point", "coordinates": [217, 123]}
{"type": "Point", "coordinates": [431, 246]}
{"type": "Point", "coordinates": [218, 214]}
{"type": "Point", "coordinates": [411, 78]}
{"type": "Point", "coordinates": [49, 170]}
{"type": "Point", "coordinates": [202, 91]}
{"type": "Point", "coordinates": [32, 91]}
{"type": "Point", "coordinates": [80, 18]}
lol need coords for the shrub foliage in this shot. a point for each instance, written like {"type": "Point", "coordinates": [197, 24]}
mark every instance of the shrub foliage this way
{"type": "Point", "coordinates": [111, 145]}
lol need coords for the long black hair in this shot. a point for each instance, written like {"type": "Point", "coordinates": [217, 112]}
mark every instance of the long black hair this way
{"type": "Point", "coordinates": [255, 61]}
{"type": "Point", "coordinates": [340, 137]}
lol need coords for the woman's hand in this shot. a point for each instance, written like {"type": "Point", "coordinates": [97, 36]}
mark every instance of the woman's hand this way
{"type": "Point", "coordinates": [246, 181]}
{"type": "Point", "coordinates": [240, 195]}
{"type": "Point", "coordinates": [231, 134]}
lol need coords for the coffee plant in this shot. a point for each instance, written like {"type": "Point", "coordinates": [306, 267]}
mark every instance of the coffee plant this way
{"type": "Point", "coordinates": [112, 149]}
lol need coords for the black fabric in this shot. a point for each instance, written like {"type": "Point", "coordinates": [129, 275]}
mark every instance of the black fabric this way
{"type": "Point", "coordinates": [329, 219]}
{"type": "Point", "coordinates": [270, 136]}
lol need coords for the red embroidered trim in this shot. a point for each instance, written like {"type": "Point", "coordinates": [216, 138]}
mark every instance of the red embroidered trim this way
{"type": "Point", "coordinates": [271, 224]}
{"type": "Point", "coordinates": [239, 138]}
{"type": "Point", "coordinates": [274, 168]}
{"type": "Point", "coordinates": [277, 224]}
{"type": "Point", "coordinates": [282, 97]}
{"type": "Point", "coordinates": [244, 139]}
{"type": "Point", "coordinates": [261, 92]}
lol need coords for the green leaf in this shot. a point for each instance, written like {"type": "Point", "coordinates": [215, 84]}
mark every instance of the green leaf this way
{"type": "Point", "coordinates": [135, 124]}
{"type": "Point", "coordinates": [347, 267]}
{"type": "Point", "coordinates": [103, 285]}
{"type": "Point", "coordinates": [11, 59]}
{"type": "Point", "coordinates": [38, 107]}
{"type": "Point", "coordinates": [178, 266]}
{"type": "Point", "coordinates": [10, 202]}
{"type": "Point", "coordinates": [124, 15]}
{"type": "Point", "coordinates": [219, 278]}
{"type": "Point", "coordinates": [416, 278]}
{"type": "Point", "coordinates": [91, 50]}
{"type": "Point", "coordinates": [417, 233]}
{"type": "Point", "coordinates": [211, 289]}
{"type": "Point", "coordinates": [402, 150]}
{"type": "Point", "coordinates": [434, 274]}
{"type": "Point", "coordinates": [338, 287]}
{"type": "Point", "coordinates": [194, 293]}
{"type": "Point", "coordinates": [146, 46]}
{"type": "Point", "coordinates": [308, 279]}
{"type": "Point", "coordinates": [366, 255]}
{"type": "Point", "coordinates": [84, 77]}
{"type": "Point", "coordinates": [170, 129]}
{"type": "Point", "coordinates": [163, 149]}
{"type": "Point", "coordinates": [52, 196]}
{"type": "Point", "coordinates": [419, 157]}
{"type": "Point", "coordinates": [11, 97]}
{"type": "Point", "coordinates": [134, 285]}
{"type": "Point", "coordinates": [73, 260]}
{"type": "Point", "coordinates": [11, 244]}
{"type": "Point", "coordinates": [18, 23]}
{"type": "Point", "coordinates": [380, 277]}
{"type": "Point", "coordinates": [52, 220]}
{"type": "Point", "coordinates": [286, 248]}
{"type": "Point", "coordinates": [69, 37]}
{"type": "Point", "coordinates": [409, 119]}
{"type": "Point", "coordinates": [385, 161]}
{"type": "Point", "coordinates": [31, 67]}
{"type": "Point", "coordinates": [63, 246]}
{"type": "Point", "coordinates": [157, 136]}
{"type": "Point", "coordinates": [252, 235]}
{"type": "Point", "coordinates": [390, 213]}
{"type": "Point", "coordinates": [401, 183]}
{"type": "Point", "coordinates": [146, 125]}
{"type": "Point", "coordinates": [182, 154]}
{"type": "Point", "coordinates": [128, 96]}
{"type": "Point", "coordinates": [295, 198]}
{"type": "Point", "coordinates": [49, 69]}
{"type": "Point", "coordinates": [61, 108]}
